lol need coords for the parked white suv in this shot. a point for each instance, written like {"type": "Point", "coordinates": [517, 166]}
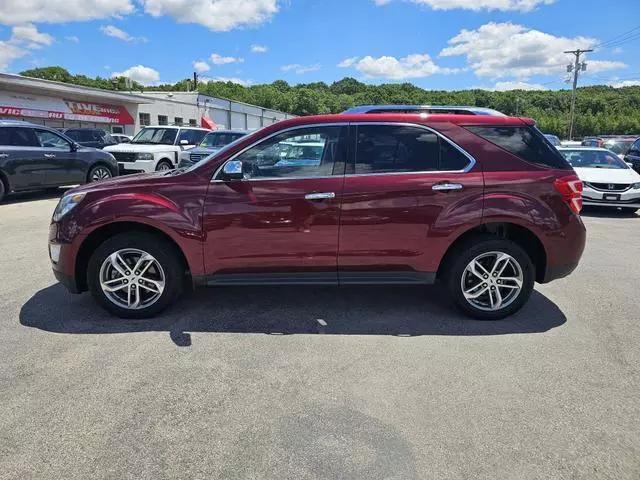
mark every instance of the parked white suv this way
{"type": "Point", "coordinates": [155, 148]}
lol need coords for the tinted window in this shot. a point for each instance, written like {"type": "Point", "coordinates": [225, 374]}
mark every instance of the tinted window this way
{"type": "Point", "coordinates": [81, 135]}
{"type": "Point", "coordinates": [305, 152]}
{"type": "Point", "coordinates": [49, 139]}
{"type": "Point", "coordinates": [388, 149]}
{"type": "Point", "coordinates": [525, 142]}
{"type": "Point", "coordinates": [18, 137]}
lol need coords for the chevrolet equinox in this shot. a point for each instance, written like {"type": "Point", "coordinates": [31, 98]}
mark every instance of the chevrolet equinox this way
{"type": "Point", "coordinates": [479, 201]}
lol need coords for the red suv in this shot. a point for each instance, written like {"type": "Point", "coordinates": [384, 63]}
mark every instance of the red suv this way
{"type": "Point", "coordinates": [477, 200]}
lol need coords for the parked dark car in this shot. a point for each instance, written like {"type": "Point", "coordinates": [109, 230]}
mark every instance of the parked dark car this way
{"type": "Point", "coordinates": [633, 156]}
{"type": "Point", "coordinates": [483, 203]}
{"type": "Point", "coordinates": [90, 137]}
{"type": "Point", "coordinates": [34, 157]}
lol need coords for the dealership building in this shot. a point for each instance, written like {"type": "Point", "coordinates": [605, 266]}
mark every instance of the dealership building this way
{"type": "Point", "coordinates": [62, 105]}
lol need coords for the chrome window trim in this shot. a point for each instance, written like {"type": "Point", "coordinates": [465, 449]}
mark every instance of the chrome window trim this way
{"type": "Point", "coordinates": [467, 169]}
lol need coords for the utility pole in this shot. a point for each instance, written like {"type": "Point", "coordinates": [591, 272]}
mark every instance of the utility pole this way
{"type": "Point", "coordinates": [577, 67]}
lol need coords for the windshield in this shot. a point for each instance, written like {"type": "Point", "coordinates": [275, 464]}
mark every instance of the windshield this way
{"type": "Point", "coordinates": [156, 136]}
{"type": "Point", "coordinates": [219, 139]}
{"type": "Point", "coordinates": [619, 147]}
{"type": "Point", "coordinates": [593, 159]}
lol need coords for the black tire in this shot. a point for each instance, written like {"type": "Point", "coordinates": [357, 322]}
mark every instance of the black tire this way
{"type": "Point", "coordinates": [101, 171]}
{"type": "Point", "coordinates": [3, 188]}
{"type": "Point", "coordinates": [469, 250]}
{"type": "Point", "coordinates": [163, 251]}
{"type": "Point", "coordinates": [164, 163]}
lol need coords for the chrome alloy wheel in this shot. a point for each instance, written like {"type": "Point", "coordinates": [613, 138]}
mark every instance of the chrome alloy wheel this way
{"type": "Point", "coordinates": [492, 281]}
{"type": "Point", "coordinates": [164, 166]}
{"type": "Point", "coordinates": [132, 279]}
{"type": "Point", "coordinates": [100, 173]}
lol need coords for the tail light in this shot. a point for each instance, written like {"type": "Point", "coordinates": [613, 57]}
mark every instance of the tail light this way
{"type": "Point", "coordinates": [570, 187]}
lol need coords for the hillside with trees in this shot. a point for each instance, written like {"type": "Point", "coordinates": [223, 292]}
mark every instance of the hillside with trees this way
{"type": "Point", "coordinates": [600, 109]}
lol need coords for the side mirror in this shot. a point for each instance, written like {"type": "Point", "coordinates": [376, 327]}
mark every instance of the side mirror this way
{"type": "Point", "coordinates": [184, 142]}
{"type": "Point", "coordinates": [73, 147]}
{"type": "Point", "coordinates": [232, 170]}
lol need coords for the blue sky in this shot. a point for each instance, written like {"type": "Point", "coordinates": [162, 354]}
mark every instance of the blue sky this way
{"type": "Point", "coordinates": [439, 44]}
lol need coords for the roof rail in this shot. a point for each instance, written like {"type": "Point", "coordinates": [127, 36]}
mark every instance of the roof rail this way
{"type": "Point", "coordinates": [443, 109]}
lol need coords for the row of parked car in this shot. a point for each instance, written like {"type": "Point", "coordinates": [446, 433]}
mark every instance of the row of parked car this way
{"type": "Point", "coordinates": [609, 168]}
{"type": "Point", "coordinates": [38, 157]}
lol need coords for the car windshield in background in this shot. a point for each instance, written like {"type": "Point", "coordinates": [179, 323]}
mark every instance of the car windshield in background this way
{"type": "Point", "coordinates": [619, 147]}
{"type": "Point", "coordinates": [593, 159]}
{"type": "Point", "coordinates": [156, 136]}
{"type": "Point", "coordinates": [219, 139]}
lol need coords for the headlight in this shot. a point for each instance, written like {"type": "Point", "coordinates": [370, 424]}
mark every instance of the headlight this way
{"type": "Point", "coordinates": [66, 204]}
{"type": "Point", "coordinates": [144, 156]}
{"type": "Point", "coordinates": [635, 185]}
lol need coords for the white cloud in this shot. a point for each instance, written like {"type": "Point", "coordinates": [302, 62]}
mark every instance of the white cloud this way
{"type": "Point", "coordinates": [220, 60]}
{"type": "Point", "coordinates": [218, 15]}
{"type": "Point", "coordinates": [412, 66]}
{"type": "Point", "coordinates": [29, 34]}
{"type": "Point", "coordinates": [140, 74]}
{"type": "Point", "coordinates": [239, 81]}
{"type": "Point", "coordinates": [259, 48]}
{"type": "Point", "coordinates": [15, 12]}
{"type": "Point", "coordinates": [348, 62]}
{"type": "Point", "coordinates": [505, 49]}
{"type": "Point", "coordinates": [517, 85]}
{"type": "Point", "coordinates": [300, 69]}
{"type": "Point", "coordinates": [476, 5]}
{"type": "Point", "coordinates": [72, 39]}
{"type": "Point", "coordinates": [626, 83]}
{"type": "Point", "coordinates": [9, 53]}
{"type": "Point", "coordinates": [115, 32]}
{"type": "Point", "coordinates": [201, 66]}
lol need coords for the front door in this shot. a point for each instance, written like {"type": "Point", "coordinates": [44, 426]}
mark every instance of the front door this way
{"type": "Point", "coordinates": [280, 223]}
{"type": "Point", "coordinates": [406, 191]}
{"type": "Point", "coordinates": [63, 164]}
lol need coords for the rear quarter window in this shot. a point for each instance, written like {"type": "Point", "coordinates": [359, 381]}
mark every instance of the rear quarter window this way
{"type": "Point", "coordinates": [525, 142]}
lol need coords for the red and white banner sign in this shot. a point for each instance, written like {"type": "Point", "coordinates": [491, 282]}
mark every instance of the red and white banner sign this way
{"type": "Point", "coordinates": [19, 105]}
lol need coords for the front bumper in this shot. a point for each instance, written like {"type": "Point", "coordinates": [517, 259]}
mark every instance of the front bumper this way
{"type": "Point", "coordinates": [139, 166]}
{"type": "Point", "coordinates": [628, 198]}
{"type": "Point", "coordinates": [63, 259]}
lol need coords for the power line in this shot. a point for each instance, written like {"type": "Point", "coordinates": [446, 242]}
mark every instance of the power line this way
{"type": "Point", "coordinates": [623, 37]}
{"type": "Point", "coordinates": [576, 67]}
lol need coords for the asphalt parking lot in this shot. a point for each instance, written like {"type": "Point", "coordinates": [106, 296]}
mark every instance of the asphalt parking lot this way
{"type": "Point", "coordinates": [320, 383]}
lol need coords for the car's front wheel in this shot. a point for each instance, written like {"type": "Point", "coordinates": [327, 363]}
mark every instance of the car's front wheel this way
{"type": "Point", "coordinates": [164, 165]}
{"type": "Point", "coordinates": [490, 278]}
{"type": "Point", "coordinates": [135, 275]}
{"type": "Point", "coordinates": [99, 172]}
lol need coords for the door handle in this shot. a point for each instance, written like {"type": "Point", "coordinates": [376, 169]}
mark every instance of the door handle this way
{"type": "Point", "coordinates": [4, 155]}
{"type": "Point", "coordinates": [320, 196]}
{"type": "Point", "coordinates": [442, 187]}
{"type": "Point", "coordinates": [49, 155]}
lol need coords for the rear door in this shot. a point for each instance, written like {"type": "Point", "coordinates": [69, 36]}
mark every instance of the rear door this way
{"type": "Point", "coordinates": [633, 156]}
{"type": "Point", "coordinates": [280, 223]}
{"type": "Point", "coordinates": [406, 191]}
{"type": "Point", "coordinates": [20, 158]}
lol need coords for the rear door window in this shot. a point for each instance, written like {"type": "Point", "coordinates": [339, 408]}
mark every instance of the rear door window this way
{"type": "Point", "coordinates": [525, 142]}
{"type": "Point", "coordinates": [18, 137]}
{"type": "Point", "coordinates": [403, 149]}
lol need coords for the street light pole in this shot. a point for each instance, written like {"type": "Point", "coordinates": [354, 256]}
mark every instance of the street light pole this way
{"type": "Point", "coordinates": [576, 67]}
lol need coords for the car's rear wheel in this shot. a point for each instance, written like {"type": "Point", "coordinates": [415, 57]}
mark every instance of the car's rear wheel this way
{"type": "Point", "coordinates": [135, 275]}
{"type": "Point", "coordinates": [3, 189]}
{"type": "Point", "coordinates": [164, 165]}
{"type": "Point", "coordinates": [99, 172]}
{"type": "Point", "coordinates": [490, 278]}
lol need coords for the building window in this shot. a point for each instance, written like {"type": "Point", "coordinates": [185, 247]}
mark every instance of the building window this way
{"type": "Point", "coordinates": [192, 122]}
{"type": "Point", "coordinates": [163, 120]}
{"type": "Point", "coordinates": [145, 119]}
{"type": "Point", "coordinates": [177, 120]}
{"type": "Point", "coordinates": [117, 129]}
